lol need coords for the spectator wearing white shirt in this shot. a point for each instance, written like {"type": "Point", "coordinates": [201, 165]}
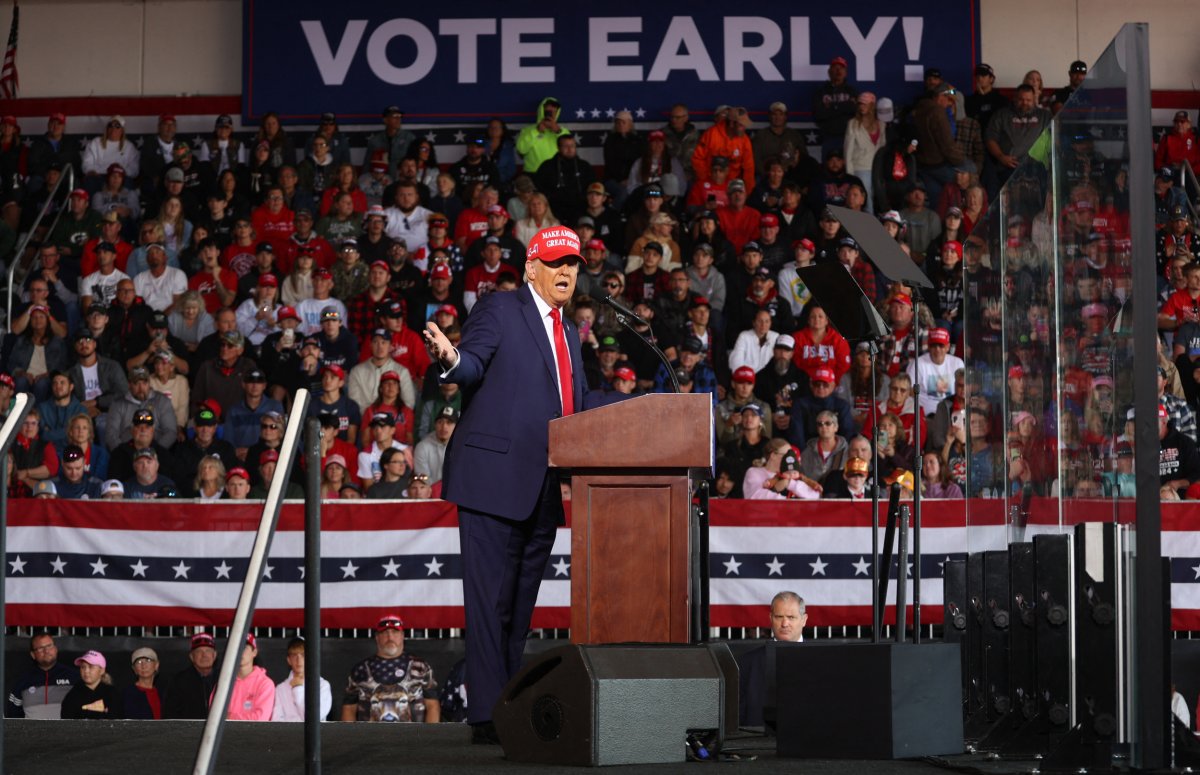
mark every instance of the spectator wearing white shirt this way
{"type": "Point", "coordinates": [289, 693]}
{"type": "Point", "coordinates": [257, 317]}
{"type": "Point", "coordinates": [754, 346]}
{"type": "Point", "coordinates": [936, 369]}
{"type": "Point", "coordinates": [431, 451]}
{"type": "Point", "coordinates": [160, 286]}
{"type": "Point", "coordinates": [383, 431]}
{"type": "Point", "coordinates": [407, 219]}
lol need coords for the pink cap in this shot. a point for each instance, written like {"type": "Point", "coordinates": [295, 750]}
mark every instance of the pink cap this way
{"type": "Point", "coordinates": [92, 657]}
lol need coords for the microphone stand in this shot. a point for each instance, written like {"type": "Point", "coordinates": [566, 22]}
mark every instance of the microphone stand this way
{"type": "Point", "coordinates": [623, 319]}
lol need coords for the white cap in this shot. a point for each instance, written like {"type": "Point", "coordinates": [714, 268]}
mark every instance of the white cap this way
{"type": "Point", "coordinates": [786, 340]}
{"type": "Point", "coordinates": [885, 110]}
{"type": "Point", "coordinates": [112, 485]}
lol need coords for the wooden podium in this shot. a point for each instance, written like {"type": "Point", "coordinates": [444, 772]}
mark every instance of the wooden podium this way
{"type": "Point", "coordinates": [631, 513]}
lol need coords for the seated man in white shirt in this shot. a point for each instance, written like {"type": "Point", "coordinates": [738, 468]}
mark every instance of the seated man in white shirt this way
{"type": "Point", "coordinates": [160, 286]}
{"type": "Point", "coordinates": [289, 693]}
{"type": "Point", "coordinates": [383, 432]}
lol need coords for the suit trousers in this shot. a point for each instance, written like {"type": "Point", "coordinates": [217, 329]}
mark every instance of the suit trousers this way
{"type": "Point", "coordinates": [503, 564]}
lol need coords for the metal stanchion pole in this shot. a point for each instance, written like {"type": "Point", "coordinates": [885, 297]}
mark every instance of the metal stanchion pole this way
{"type": "Point", "coordinates": [312, 598]}
{"type": "Point", "coordinates": [8, 432]}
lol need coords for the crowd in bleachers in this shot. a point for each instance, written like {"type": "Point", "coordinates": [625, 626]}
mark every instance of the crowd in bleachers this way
{"type": "Point", "coordinates": [186, 292]}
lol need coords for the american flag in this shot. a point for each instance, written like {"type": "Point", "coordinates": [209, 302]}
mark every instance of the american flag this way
{"type": "Point", "coordinates": [9, 83]}
{"type": "Point", "coordinates": [142, 563]}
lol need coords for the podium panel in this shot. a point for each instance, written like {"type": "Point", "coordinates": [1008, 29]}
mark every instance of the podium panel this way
{"type": "Point", "coordinates": [629, 559]}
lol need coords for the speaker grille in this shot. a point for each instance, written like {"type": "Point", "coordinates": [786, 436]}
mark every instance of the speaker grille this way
{"type": "Point", "coordinates": [546, 717]}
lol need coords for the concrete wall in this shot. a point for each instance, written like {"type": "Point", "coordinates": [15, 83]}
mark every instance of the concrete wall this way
{"type": "Point", "coordinates": [78, 48]}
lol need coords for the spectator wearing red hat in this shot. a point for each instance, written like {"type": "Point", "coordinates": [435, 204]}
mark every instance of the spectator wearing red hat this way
{"type": "Point", "coordinates": [439, 290]}
{"type": "Point", "coordinates": [775, 252]}
{"type": "Point", "coordinates": [252, 697]}
{"type": "Point", "coordinates": [656, 165]}
{"type": "Point", "coordinates": [158, 153]}
{"type": "Point", "coordinates": [790, 286]}
{"type": "Point", "coordinates": [334, 402]}
{"type": "Point", "coordinates": [936, 369]}
{"type": "Point", "coordinates": [191, 689]}
{"type": "Point", "coordinates": [833, 105]}
{"type": "Point", "coordinates": [75, 226]}
{"type": "Point", "coordinates": [1179, 144]}
{"type": "Point", "coordinates": [512, 252]}
{"type": "Point", "coordinates": [114, 197]}
{"type": "Point", "coordinates": [439, 244]}
{"type": "Point", "coordinates": [801, 424]}
{"type": "Point", "coordinates": [50, 149]}
{"type": "Point", "coordinates": [728, 413]}
{"type": "Point", "coordinates": [363, 310]}
{"type": "Point", "coordinates": [410, 693]}
{"type": "Point", "coordinates": [256, 316]}
{"type": "Point", "coordinates": [902, 347]}
{"type": "Point", "coordinates": [481, 279]}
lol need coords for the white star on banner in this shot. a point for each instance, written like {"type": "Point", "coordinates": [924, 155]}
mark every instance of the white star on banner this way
{"type": "Point", "coordinates": [431, 137]}
{"type": "Point", "coordinates": [640, 112]}
{"type": "Point", "coordinates": [603, 137]}
{"type": "Point", "coordinates": [732, 565]}
{"type": "Point", "coordinates": [98, 566]}
{"type": "Point", "coordinates": [775, 567]}
{"type": "Point", "coordinates": [942, 564]}
{"type": "Point", "coordinates": [862, 567]}
{"type": "Point", "coordinates": [580, 113]}
{"type": "Point", "coordinates": [818, 567]}
{"type": "Point", "coordinates": [18, 565]}
{"type": "Point", "coordinates": [197, 140]}
{"type": "Point", "coordinates": [268, 571]}
{"type": "Point", "coordinates": [223, 570]}
{"type": "Point", "coordinates": [349, 569]}
{"type": "Point", "coordinates": [561, 567]}
{"type": "Point", "coordinates": [181, 570]}
{"type": "Point", "coordinates": [139, 568]}
{"type": "Point", "coordinates": [810, 138]}
{"type": "Point", "coordinates": [301, 571]}
{"type": "Point", "coordinates": [434, 567]}
{"type": "Point", "coordinates": [460, 136]}
{"type": "Point", "coordinates": [1197, 569]}
{"type": "Point", "coordinates": [58, 564]}
{"type": "Point", "coordinates": [391, 568]}
{"type": "Point", "coordinates": [595, 112]}
{"type": "Point", "coordinates": [610, 113]}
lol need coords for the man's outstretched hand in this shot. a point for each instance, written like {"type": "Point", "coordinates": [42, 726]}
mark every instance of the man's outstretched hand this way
{"type": "Point", "coordinates": [439, 346]}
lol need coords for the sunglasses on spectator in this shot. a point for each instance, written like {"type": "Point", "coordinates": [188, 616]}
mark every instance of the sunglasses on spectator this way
{"type": "Point", "coordinates": [826, 422]}
{"type": "Point", "coordinates": [270, 426]}
{"type": "Point", "coordinates": [612, 285]}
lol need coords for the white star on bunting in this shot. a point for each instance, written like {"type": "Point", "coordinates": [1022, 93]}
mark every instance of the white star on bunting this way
{"type": "Point", "coordinates": [18, 565]}
{"type": "Point", "coordinates": [460, 136]}
{"type": "Point", "coordinates": [732, 565]}
{"type": "Point", "coordinates": [580, 113]}
{"type": "Point", "coordinates": [349, 570]}
{"type": "Point", "coordinates": [223, 570]}
{"type": "Point", "coordinates": [640, 113]}
{"type": "Point", "coordinates": [818, 567]}
{"type": "Point", "coordinates": [561, 567]}
{"type": "Point", "coordinates": [181, 570]}
{"type": "Point", "coordinates": [268, 571]}
{"type": "Point", "coordinates": [775, 567]}
{"type": "Point", "coordinates": [98, 566]}
{"type": "Point", "coordinates": [595, 112]}
{"type": "Point", "coordinates": [58, 564]}
{"type": "Point", "coordinates": [862, 567]}
{"type": "Point", "coordinates": [392, 568]}
{"type": "Point", "coordinates": [431, 137]}
{"type": "Point", "coordinates": [610, 113]}
{"type": "Point", "coordinates": [434, 567]}
{"type": "Point", "coordinates": [139, 568]}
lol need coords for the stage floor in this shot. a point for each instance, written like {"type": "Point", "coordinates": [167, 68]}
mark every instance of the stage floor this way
{"type": "Point", "coordinates": [169, 747]}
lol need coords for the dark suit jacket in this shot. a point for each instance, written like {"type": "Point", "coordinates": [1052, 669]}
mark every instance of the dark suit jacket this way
{"type": "Point", "coordinates": [496, 461]}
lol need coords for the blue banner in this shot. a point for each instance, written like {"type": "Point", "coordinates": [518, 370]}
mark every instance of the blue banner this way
{"type": "Point", "coordinates": [467, 61]}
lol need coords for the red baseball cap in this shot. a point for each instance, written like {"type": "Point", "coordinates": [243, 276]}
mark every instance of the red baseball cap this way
{"type": "Point", "coordinates": [7, 380]}
{"type": "Point", "coordinates": [954, 245]}
{"type": "Point", "coordinates": [449, 309]}
{"type": "Point", "coordinates": [839, 61]}
{"type": "Point", "coordinates": [657, 134]}
{"type": "Point", "coordinates": [624, 372]}
{"type": "Point", "coordinates": [165, 117]}
{"type": "Point", "coordinates": [286, 312]}
{"type": "Point", "coordinates": [322, 272]}
{"type": "Point", "coordinates": [380, 263]}
{"type": "Point", "coordinates": [824, 375]}
{"type": "Point", "coordinates": [743, 374]}
{"type": "Point", "coordinates": [768, 219]}
{"type": "Point", "coordinates": [1016, 372]}
{"type": "Point", "coordinates": [389, 376]}
{"type": "Point", "coordinates": [268, 281]}
{"type": "Point", "coordinates": [238, 471]}
{"type": "Point", "coordinates": [939, 336]}
{"type": "Point", "coordinates": [389, 622]}
{"type": "Point", "coordinates": [59, 117]}
{"type": "Point", "coordinates": [902, 298]}
{"type": "Point", "coordinates": [595, 244]}
{"type": "Point", "coordinates": [440, 271]}
{"type": "Point", "coordinates": [497, 210]}
{"type": "Point", "coordinates": [335, 370]}
{"type": "Point", "coordinates": [203, 640]}
{"type": "Point", "coordinates": [553, 243]}
{"type": "Point", "coordinates": [268, 456]}
{"type": "Point", "coordinates": [805, 243]}
{"type": "Point", "coordinates": [80, 192]}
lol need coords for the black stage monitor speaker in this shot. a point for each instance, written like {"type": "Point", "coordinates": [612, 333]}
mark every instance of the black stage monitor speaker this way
{"type": "Point", "coordinates": [869, 701]}
{"type": "Point", "coordinates": [617, 704]}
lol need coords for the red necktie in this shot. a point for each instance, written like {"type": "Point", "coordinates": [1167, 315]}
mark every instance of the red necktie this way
{"type": "Point", "coordinates": [564, 364]}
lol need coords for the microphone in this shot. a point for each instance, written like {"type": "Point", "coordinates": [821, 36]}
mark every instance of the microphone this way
{"type": "Point", "coordinates": [623, 310]}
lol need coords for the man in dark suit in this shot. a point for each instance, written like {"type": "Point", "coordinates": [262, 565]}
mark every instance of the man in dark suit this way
{"type": "Point", "coordinates": [520, 367]}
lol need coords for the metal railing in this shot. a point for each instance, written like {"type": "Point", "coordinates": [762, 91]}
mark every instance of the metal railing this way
{"type": "Point", "coordinates": [214, 725]}
{"type": "Point", "coordinates": [18, 255]}
{"type": "Point", "coordinates": [1191, 188]}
